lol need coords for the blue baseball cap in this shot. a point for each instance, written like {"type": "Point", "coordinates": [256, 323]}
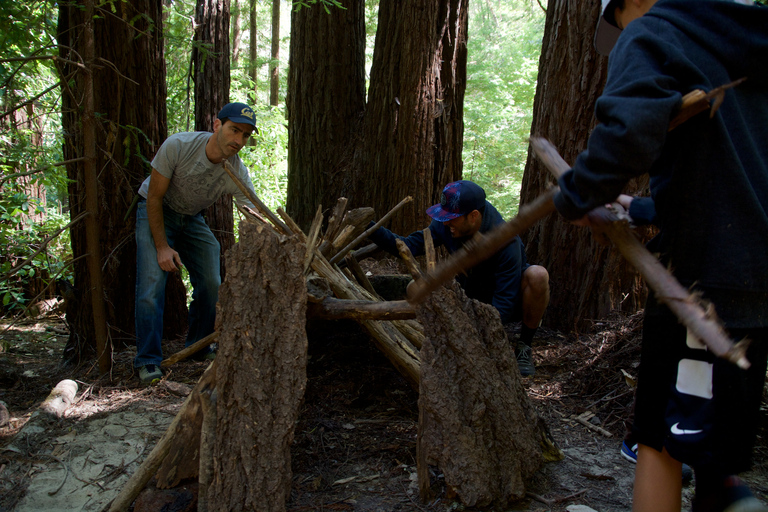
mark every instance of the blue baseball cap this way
{"type": "Point", "coordinates": [238, 113]}
{"type": "Point", "coordinates": [458, 198]}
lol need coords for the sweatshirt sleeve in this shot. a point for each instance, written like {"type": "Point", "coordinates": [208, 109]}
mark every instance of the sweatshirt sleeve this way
{"type": "Point", "coordinates": [643, 211]}
{"type": "Point", "coordinates": [387, 240]}
{"type": "Point", "coordinates": [634, 111]}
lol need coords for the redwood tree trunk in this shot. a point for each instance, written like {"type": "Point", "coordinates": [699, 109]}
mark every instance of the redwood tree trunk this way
{"type": "Point", "coordinates": [211, 94]}
{"type": "Point", "coordinates": [325, 104]}
{"type": "Point", "coordinates": [414, 128]}
{"type": "Point", "coordinates": [588, 280]}
{"type": "Point", "coordinates": [129, 96]}
{"type": "Point", "coordinates": [407, 139]}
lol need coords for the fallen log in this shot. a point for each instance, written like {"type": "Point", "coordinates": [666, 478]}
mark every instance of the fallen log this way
{"type": "Point", "coordinates": [61, 397]}
{"type": "Point", "coordinates": [337, 309]}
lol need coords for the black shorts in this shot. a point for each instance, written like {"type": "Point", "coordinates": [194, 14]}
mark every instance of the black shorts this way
{"type": "Point", "coordinates": [702, 409]}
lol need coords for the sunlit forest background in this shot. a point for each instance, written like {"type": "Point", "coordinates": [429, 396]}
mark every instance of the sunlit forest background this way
{"type": "Point", "coordinates": [503, 55]}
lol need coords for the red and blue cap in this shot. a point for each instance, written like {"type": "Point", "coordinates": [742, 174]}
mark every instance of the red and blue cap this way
{"type": "Point", "coordinates": [458, 198]}
{"type": "Point", "coordinates": [238, 113]}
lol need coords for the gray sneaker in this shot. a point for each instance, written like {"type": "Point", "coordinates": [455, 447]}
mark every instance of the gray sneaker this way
{"type": "Point", "coordinates": [524, 361]}
{"type": "Point", "coordinates": [150, 374]}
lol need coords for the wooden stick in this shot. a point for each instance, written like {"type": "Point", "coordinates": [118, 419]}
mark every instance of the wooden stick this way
{"type": "Point", "coordinates": [359, 274]}
{"type": "Point", "coordinates": [698, 101]}
{"type": "Point", "coordinates": [481, 248]}
{"type": "Point", "coordinates": [408, 259]}
{"type": "Point", "coordinates": [703, 323]}
{"type": "Point", "coordinates": [148, 468]}
{"type": "Point", "coordinates": [185, 353]}
{"type": "Point", "coordinates": [429, 250]}
{"type": "Point", "coordinates": [264, 209]}
{"type": "Point", "coordinates": [367, 232]}
{"type": "Point", "coordinates": [208, 399]}
{"type": "Point", "coordinates": [335, 309]}
{"type": "Point", "coordinates": [314, 231]}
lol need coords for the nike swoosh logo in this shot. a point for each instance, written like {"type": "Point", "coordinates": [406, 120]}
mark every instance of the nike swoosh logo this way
{"type": "Point", "coordinates": [677, 431]}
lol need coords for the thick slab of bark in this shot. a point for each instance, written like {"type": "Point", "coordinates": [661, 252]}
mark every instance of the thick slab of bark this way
{"type": "Point", "coordinates": [478, 425]}
{"type": "Point", "coordinates": [261, 373]}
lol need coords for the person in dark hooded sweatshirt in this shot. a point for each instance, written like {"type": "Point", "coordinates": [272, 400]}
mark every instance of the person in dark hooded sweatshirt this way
{"type": "Point", "coordinates": [709, 185]}
{"type": "Point", "coordinates": [519, 291]}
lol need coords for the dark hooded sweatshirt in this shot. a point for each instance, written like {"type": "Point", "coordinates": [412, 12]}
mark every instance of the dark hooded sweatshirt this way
{"type": "Point", "coordinates": [495, 281]}
{"type": "Point", "coordinates": [709, 177]}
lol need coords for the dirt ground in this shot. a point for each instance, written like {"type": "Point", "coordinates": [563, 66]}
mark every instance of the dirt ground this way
{"type": "Point", "coordinates": [354, 445]}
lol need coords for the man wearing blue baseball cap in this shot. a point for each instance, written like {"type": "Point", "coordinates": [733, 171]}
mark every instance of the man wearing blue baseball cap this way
{"type": "Point", "coordinates": [187, 177]}
{"type": "Point", "coordinates": [709, 189]}
{"type": "Point", "coordinates": [519, 291]}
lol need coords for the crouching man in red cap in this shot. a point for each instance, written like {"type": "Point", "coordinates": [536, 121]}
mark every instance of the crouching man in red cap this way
{"type": "Point", "coordinates": [518, 290]}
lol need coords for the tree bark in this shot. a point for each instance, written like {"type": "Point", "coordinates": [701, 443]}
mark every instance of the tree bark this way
{"type": "Point", "coordinates": [588, 280]}
{"type": "Point", "coordinates": [326, 99]}
{"type": "Point", "coordinates": [212, 80]}
{"type": "Point", "coordinates": [274, 66]}
{"type": "Point", "coordinates": [253, 70]}
{"type": "Point", "coordinates": [129, 96]}
{"type": "Point", "coordinates": [261, 375]}
{"type": "Point", "coordinates": [407, 139]}
{"type": "Point", "coordinates": [236, 32]}
{"type": "Point", "coordinates": [477, 423]}
{"type": "Point", "coordinates": [414, 128]}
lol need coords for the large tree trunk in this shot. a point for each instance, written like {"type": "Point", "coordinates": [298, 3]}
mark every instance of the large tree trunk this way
{"type": "Point", "coordinates": [414, 128]}
{"type": "Point", "coordinates": [261, 373]}
{"type": "Point", "coordinates": [476, 421]}
{"type": "Point", "coordinates": [588, 280]}
{"type": "Point", "coordinates": [129, 96]}
{"type": "Point", "coordinates": [325, 103]}
{"type": "Point", "coordinates": [211, 94]}
{"type": "Point", "coordinates": [407, 140]}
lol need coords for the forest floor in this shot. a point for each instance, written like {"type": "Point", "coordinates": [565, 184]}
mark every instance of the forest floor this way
{"type": "Point", "coordinates": [354, 446]}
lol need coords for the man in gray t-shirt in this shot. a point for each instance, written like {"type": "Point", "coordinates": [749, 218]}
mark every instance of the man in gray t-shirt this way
{"type": "Point", "coordinates": [187, 177]}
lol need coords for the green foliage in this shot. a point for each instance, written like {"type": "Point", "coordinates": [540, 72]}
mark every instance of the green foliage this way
{"type": "Point", "coordinates": [179, 35]}
{"type": "Point", "coordinates": [298, 4]}
{"type": "Point", "coordinates": [30, 143]}
{"type": "Point", "coordinates": [503, 55]}
{"type": "Point", "coordinates": [266, 158]}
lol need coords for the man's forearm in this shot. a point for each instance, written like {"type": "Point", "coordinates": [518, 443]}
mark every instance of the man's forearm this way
{"type": "Point", "coordinates": [156, 222]}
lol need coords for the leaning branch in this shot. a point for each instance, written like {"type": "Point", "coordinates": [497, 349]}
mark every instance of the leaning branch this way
{"type": "Point", "coordinates": [339, 255]}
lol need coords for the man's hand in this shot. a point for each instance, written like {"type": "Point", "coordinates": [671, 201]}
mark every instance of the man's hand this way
{"type": "Point", "coordinates": [168, 259]}
{"type": "Point", "coordinates": [602, 215]}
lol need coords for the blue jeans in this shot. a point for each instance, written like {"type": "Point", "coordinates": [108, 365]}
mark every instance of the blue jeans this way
{"type": "Point", "coordinates": [198, 249]}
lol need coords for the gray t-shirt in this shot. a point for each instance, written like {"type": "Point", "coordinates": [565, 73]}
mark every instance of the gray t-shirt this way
{"type": "Point", "coordinates": [196, 183]}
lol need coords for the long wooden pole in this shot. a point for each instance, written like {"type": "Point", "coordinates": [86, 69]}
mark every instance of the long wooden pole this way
{"type": "Point", "coordinates": [92, 199]}
{"type": "Point", "coordinates": [702, 322]}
